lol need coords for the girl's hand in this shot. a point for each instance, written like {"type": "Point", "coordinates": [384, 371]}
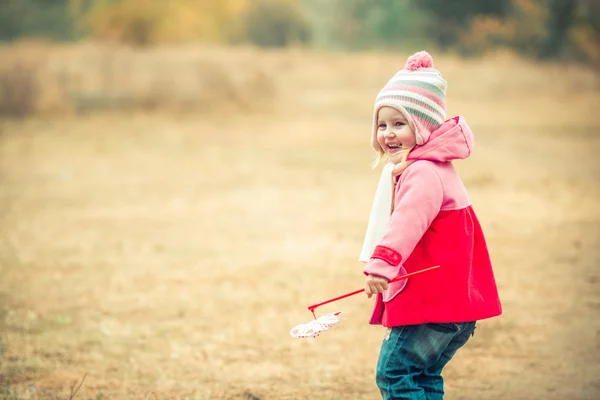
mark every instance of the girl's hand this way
{"type": "Point", "coordinates": [375, 284]}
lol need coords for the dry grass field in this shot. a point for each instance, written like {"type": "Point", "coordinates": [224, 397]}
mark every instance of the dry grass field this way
{"type": "Point", "coordinates": [167, 253]}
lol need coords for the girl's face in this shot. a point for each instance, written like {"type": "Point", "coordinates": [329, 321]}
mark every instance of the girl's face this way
{"type": "Point", "coordinates": [394, 134]}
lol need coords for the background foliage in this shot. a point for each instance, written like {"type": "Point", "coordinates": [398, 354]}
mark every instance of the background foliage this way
{"type": "Point", "coordinates": [537, 28]}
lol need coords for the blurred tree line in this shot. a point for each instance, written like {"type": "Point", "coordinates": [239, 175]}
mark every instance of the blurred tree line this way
{"type": "Point", "coordinates": [540, 28]}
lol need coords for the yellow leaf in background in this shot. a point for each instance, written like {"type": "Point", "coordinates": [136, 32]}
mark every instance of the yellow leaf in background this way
{"type": "Point", "coordinates": [145, 21]}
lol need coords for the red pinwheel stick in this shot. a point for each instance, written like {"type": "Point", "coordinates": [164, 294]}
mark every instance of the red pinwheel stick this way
{"type": "Point", "coordinates": [314, 306]}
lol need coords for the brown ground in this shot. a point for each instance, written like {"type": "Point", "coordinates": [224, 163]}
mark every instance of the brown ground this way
{"type": "Point", "coordinates": [167, 255]}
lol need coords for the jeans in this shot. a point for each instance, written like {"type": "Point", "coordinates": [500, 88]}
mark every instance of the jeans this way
{"type": "Point", "coordinates": [412, 358]}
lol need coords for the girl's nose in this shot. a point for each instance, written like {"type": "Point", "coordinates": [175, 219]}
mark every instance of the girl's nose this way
{"type": "Point", "coordinates": [389, 134]}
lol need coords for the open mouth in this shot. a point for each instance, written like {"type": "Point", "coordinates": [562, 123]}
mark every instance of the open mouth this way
{"type": "Point", "coordinates": [393, 147]}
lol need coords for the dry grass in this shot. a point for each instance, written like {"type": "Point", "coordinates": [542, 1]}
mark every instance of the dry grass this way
{"type": "Point", "coordinates": [40, 78]}
{"type": "Point", "coordinates": [167, 255]}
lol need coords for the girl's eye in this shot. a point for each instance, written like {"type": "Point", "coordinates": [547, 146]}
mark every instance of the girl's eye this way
{"type": "Point", "coordinates": [399, 123]}
{"type": "Point", "coordinates": [381, 126]}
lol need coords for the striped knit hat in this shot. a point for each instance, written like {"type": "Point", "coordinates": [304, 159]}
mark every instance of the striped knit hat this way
{"type": "Point", "coordinates": [419, 93]}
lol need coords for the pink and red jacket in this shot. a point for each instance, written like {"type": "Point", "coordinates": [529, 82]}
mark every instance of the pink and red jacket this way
{"type": "Point", "coordinates": [433, 223]}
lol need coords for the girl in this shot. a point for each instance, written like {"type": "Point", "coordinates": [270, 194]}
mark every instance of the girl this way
{"type": "Point", "coordinates": [432, 315]}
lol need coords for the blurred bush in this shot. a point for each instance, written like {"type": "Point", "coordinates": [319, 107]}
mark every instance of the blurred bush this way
{"type": "Point", "coordinates": [586, 42]}
{"type": "Point", "coordinates": [47, 18]}
{"type": "Point", "coordinates": [276, 23]}
{"type": "Point", "coordinates": [266, 23]}
{"type": "Point", "coordinates": [448, 20]}
{"type": "Point", "coordinates": [18, 89]}
{"type": "Point", "coordinates": [148, 22]}
{"type": "Point", "coordinates": [132, 22]}
{"type": "Point", "coordinates": [542, 29]}
{"type": "Point", "coordinates": [523, 30]}
{"type": "Point", "coordinates": [366, 24]}
{"type": "Point", "coordinates": [20, 93]}
{"type": "Point", "coordinates": [585, 34]}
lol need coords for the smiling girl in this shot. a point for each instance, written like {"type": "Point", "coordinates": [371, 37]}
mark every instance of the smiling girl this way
{"type": "Point", "coordinates": [431, 222]}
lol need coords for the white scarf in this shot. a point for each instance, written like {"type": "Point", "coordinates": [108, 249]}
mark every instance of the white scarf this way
{"type": "Point", "coordinates": [381, 211]}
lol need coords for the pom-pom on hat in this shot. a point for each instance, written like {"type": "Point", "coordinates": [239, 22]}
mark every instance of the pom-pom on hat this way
{"type": "Point", "coordinates": [419, 92]}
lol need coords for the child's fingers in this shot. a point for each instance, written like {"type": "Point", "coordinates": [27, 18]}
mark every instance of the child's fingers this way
{"type": "Point", "coordinates": [374, 285]}
{"type": "Point", "coordinates": [370, 290]}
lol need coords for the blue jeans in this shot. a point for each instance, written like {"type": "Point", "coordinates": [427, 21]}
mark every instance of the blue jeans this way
{"type": "Point", "coordinates": [412, 358]}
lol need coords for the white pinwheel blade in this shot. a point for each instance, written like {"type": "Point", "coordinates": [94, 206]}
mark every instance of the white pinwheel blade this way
{"type": "Point", "coordinates": [315, 327]}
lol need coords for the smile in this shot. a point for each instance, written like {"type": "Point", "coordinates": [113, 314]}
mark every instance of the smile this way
{"type": "Point", "coordinates": [393, 148]}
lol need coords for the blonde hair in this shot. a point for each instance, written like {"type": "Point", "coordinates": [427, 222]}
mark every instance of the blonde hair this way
{"type": "Point", "coordinates": [381, 156]}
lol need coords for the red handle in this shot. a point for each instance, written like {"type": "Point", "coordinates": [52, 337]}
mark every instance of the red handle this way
{"type": "Point", "coordinates": [312, 308]}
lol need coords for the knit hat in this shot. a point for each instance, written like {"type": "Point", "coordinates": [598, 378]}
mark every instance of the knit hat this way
{"type": "Point", "coordinates": [419, 93]}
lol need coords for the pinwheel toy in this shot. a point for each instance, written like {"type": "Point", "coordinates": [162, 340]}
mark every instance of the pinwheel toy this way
{"type": "Point", "coordinates": [323, 323]}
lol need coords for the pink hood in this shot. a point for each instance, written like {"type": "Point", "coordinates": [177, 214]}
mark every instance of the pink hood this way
{"type": "Point", "coordinates": [453, 140]}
